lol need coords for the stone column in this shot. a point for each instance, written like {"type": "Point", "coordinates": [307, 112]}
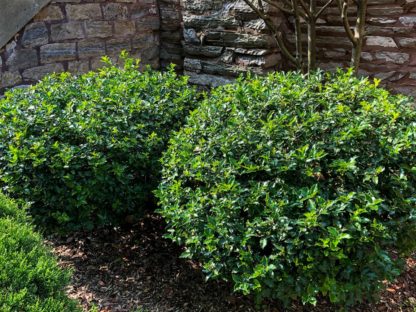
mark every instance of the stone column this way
{"type": "Point", "coordinates": [223, 39]}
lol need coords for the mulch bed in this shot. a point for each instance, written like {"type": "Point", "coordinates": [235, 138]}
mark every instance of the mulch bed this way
{"type": "Point", "coordinates": [128, 270]}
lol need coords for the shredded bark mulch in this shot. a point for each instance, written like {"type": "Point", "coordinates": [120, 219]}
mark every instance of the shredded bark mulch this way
{"type": "Point", "coordinates": [138, 270]}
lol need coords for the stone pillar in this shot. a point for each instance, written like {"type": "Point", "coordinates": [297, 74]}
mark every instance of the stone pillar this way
{"type": "Point", "coordinates": [223, 39]}
{"type": "Point", "coordinates": [171, 33]}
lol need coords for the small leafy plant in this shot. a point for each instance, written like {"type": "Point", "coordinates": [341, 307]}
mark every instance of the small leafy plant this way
{"type": "Point", "coordinates": [30, 279]}
{"type": "Point", "coordinates": [85, 150]}
{"type": "Point", "coordinates": [296, 188]}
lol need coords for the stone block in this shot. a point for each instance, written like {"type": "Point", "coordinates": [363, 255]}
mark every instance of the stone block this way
{"type": "Point", "coordinates": [9, 79]}
{"type": "Point", "coordinates": [115, 11]}
{"type": "Point", "coordinates": [408, 20]}
{"type": "Point", "coordinates": [35, 34]}
{"type": "Point", "coordinates": [240, 40]}
{"type": "Point", "coordinates": [124, 28]}
{"type": "Point", "coordinates": [207, 80]}
{"type": "Point", "coordinates": [79, 67]}
{"type": "Point", "coordinates": [114, 46]}
{"type": "Point", "coordinates": [22, 58]}
{"type": "Point", "coordinates": [66, 1]}
{"type": "Point", "coordinates": [407, 42]}
{"type": "Point", "coordinates": [37, 73]}
{"type": "Point", "coordinates": [205, 51]}
{"type": "Point", "coordinates": [150, 22]}
{"type": "Point", "coordinates": [50, 13]}
{"type": "Point", "coordinates": [57, 52]}
{"type": "Point", "coordinates": [83, 11]}
{"type": "Point", "coordinates": [89, 48]}
{"type": "Point", "coordinates": [66, 31]}
{"type": "Point", "coordinates": [98, 29]}
{"type": "Point", "coordinates": [386, 42]}
{"type": "Point", "coordinates": [140, 41]}
{"type": "Point", "coordinates": [393, 57]}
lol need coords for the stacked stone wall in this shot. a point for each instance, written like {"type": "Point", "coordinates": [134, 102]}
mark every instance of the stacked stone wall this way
{"type": "Point", "coordinates": [171, 33]}
{"type": "Point", "coordinates": [389, 52]}
{"type": "Point", "coordinates": [223, 39]}
{"type": "Point", "coordinates": [73, 35]}
{"type": "Point", "coordinates": [211, 41]}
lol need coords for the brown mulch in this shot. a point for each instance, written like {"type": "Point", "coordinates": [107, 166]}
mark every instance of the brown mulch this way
{"type": "Point", "coordinates": [124, 270]}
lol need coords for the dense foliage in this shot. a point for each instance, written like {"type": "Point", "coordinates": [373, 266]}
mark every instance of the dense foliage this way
{"type": "Point", "coordinates": [30, 279]}
{"type": "Point", "coordinates": [294, 187]}
{"type": "Point", "coordinates": [85, 150]}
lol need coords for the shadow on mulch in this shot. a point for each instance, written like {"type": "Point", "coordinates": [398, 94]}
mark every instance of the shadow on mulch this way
{"type": "Point", "coordinates": [121, 271]}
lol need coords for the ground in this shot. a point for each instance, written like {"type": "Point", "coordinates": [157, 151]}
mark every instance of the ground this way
{"type": "Point", "coordinates": [138, 270]}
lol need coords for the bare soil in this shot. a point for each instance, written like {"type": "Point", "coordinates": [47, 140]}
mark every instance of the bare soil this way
{"type": "Point", "coordinates": [138, 270]}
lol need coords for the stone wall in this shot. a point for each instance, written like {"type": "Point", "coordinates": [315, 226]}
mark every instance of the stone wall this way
{"type": "Point", "coordinates": [171, 33]}
{"type": "Point", "coordinates": [223, 38]}
{"type": "Point", "coordinates": [73, 35]}
{"type": "Point", "coordinates": [389, 53]}
{"type": "Point", "coordinates": [212, 41]}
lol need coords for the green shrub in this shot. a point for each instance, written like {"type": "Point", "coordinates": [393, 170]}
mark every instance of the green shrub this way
{"type": "Point", "coordinates": [295, 188]}
{"type": "Point", "coordinates": [30, 279]}
{"type": "Point", "coordinates": [85, 150]}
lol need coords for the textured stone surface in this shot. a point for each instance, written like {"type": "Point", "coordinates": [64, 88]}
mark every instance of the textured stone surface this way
{"type": "Point", "coordinates": [15, 14]}
{"type": "Point", "coordinates": [212, 41]}
{"type": "Point", "coordinates": [99, 29]}
{"type": "Point", "coordinates": [22, 58]}
{"type": "Point", "coordinates": [50, 13]}
{"type": "Point", "coordinates": [35, 34]}
{"type": "Point", "coordinates": [9, 79]}
{"type": "Point", "coordinates": [56, 52]}
{"type": "Point", "coordinates": [91, 47]}
{"type": "Point", "coordinates": [36, 73]}
{"type": "Point", "coordinates": [66, 31]}
{"type": "Point", "coordinates": [74, 35]}
{"type": "Point", "coordinates": [83, 11]}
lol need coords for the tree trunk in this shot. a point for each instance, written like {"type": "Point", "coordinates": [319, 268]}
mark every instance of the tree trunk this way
{"type": "Point", "coordinates": [312, 37]}
{"type": "Point", "coordinates": [359, 34]}
{"type": "Point", "coordinates": [298, 35]}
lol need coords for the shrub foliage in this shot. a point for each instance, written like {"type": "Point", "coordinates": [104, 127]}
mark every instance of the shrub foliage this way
{"type": "Point", "coordinates": [295, 188]}
{"type": "Point", "coordinates": [30, 279]}
{"type": "Point", "coordinates": [85, 150]}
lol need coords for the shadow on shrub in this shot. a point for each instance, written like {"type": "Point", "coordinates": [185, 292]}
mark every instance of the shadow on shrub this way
{"type": "Point", "coordinates": [30, 279]}
{"type": "Point", "coordinates": [85, 150]}
{"type": "Point", "coordinates": [295, 188]}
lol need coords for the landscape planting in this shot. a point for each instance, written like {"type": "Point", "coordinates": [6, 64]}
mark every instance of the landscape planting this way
{"type": "Point", "coordinates": [296, 187]}
{"type": "Point", "coordinates": [287, 189]}
{"type": "Point", "coordinates": [30, 279]}
{"type": "Point", "coordinates": [84, 150]}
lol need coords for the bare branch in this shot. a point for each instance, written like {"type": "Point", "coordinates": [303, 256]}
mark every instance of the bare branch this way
{"type": "Point", "coordinates": [323, 9]}
{"type": "Point", "coordinates": [298, 34]}
{"type": "Point", "coordinates": [276, 33]}
{"type": "Point", "coordinates": [280, 7]}
{"type": "Point", "coordinates": [346, 23]}
{"type": "Point", "coordinates": [305, 8]}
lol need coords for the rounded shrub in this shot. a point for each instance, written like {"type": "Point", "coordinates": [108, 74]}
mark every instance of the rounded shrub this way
{"type": "Point", "coordinates": [30, 279]}
{"type": "Point", "coordinates": [84, 150]}
{"type": "Point", "coordinates": [295, 188]}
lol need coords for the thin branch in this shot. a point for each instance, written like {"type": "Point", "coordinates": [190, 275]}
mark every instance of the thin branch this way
{"type": "Point", "coordinates": [298, 35]}
{"type": "Point", "coordinates": [346, 23]}
{"type": "Point", "coordinates": [305, 8]}
{"type": "Point", "coordinates": [323, 9]}
{"type": "Point", "coordinates": [280, 7]}
{"type": "Point", "coordinates": [276, 33]}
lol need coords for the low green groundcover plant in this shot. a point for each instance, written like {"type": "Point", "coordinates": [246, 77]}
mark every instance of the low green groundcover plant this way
{"type": "Point", "coordinates": [30, 279]}
{"type": "Point", "coordinates": [296, 188]}
{"type": "Point", "coordinates": [84, 150]}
